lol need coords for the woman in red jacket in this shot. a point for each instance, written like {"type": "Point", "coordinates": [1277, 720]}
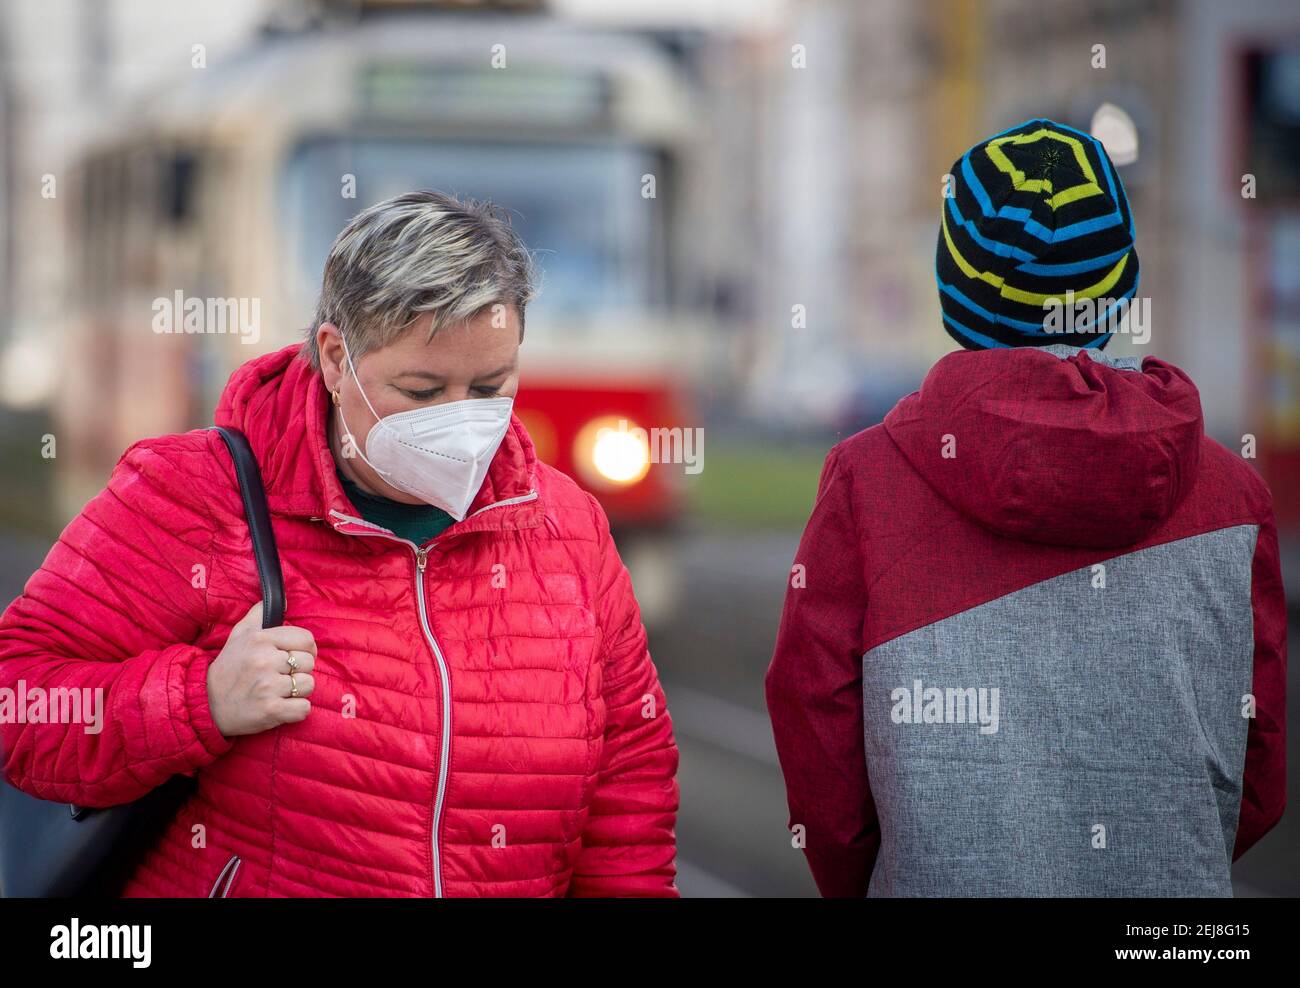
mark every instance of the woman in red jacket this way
{"type": "Point", "coordinates": [460, 702]}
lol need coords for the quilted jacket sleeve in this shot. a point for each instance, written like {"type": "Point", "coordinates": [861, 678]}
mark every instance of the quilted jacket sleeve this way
{"type": "Point", "coordinates": [629, 845]}
{"type": "Point", "coordinates": [814, 695]}
{"type": "Point", "coordinates": [1263, 795]}
{"type": "Point", "coordinates": [105, 621]}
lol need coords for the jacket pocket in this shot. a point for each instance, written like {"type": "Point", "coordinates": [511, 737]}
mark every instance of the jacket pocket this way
{"type": "Point", "coordinates": [225, 882]}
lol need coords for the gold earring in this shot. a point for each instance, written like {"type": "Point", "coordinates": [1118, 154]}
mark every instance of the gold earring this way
{"type": "Point", "coordinates": [335, 395]}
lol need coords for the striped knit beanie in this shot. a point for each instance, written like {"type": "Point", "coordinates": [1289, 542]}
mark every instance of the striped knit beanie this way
{"type": "Point", "coordinates": [1031, 214]}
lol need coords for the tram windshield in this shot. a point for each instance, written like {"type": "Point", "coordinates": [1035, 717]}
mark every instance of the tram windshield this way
{"type": "Point", "coordinates": [599, 244]}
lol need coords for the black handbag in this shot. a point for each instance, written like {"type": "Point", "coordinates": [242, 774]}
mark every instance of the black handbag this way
{"type": "Point", "coordinates": [53, 850]}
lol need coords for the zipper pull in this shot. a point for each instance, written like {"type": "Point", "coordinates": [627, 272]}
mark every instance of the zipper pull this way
{"type": "Point", "coordinates": [421, 559]}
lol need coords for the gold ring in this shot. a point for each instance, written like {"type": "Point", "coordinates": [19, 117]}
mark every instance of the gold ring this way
{"type": "Point", "coordinates": [293, 685]}
{"type": "Point", "coordinates": [293, 663]}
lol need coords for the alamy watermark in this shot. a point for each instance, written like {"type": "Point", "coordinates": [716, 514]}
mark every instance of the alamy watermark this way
{"type": "Point", "coordinates": [946, 705]}
{"type": "Point", "coordinates": [237, 316]}
{"type": "Point", "coordinates": [663, 445]}
{"type": "Point", "coordinates": [60, 705]}
{"type": "Point", "coordinates": [1098, 315]}
{"type": "Point", "coordinates": [93, 941]}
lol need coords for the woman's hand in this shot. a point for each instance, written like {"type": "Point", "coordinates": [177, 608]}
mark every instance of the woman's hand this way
{"type": "Point", "coordinates": [249, 685]}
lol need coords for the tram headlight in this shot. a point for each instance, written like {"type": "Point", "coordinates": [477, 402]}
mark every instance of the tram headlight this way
{"type": "Point", "coordinates": [612, 451]}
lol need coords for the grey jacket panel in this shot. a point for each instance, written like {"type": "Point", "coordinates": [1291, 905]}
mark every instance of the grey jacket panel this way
{"type": "Point", "coordinates": [1082, 736]}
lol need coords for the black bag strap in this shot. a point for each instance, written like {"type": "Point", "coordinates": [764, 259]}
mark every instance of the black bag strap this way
{"type": "Point", "coordinates": [259, 525]}
{"type": "Point", "coordinates": [264, 551]}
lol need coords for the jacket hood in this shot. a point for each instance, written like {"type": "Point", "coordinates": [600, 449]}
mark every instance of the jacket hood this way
{"type": "Point", "coordinates": [1056, 445]}
{"type": "Point", "coordinates": [279, 402]}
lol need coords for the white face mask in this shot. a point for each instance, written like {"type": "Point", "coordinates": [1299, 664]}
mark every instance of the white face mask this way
{"type": "Point", "coordinates": [439, 454]}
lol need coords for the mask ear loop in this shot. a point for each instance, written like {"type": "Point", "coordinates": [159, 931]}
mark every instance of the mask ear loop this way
{"type": "Point", "coordinates": [346, 428]}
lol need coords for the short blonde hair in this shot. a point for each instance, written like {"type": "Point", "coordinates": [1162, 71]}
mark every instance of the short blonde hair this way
{"type": "Point", "coordinates": [415, 253]}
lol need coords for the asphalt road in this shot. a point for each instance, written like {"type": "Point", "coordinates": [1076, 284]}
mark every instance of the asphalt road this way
{"type": "Point", "coordinates": [732, 837]}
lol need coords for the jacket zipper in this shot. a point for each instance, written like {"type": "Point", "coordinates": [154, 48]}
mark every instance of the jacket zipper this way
{"type": "Point", "coordinates": [444, 753]}
{"type": "Point", "coordinates": [444, 676]}
{"type": "Point", "coordinates": [228, 872]}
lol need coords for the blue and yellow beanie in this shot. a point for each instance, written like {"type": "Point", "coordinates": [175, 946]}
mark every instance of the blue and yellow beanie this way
{"type": "Point", "coordinates": [1032, 213]}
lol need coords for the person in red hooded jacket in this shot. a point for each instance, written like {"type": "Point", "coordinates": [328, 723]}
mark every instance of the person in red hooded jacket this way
{"type": "Point", "coordinates": [1034, 641]}
{"type": "Point", "coordinates": [460, 702]}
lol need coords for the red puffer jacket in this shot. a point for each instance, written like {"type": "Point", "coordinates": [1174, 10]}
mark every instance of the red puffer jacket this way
{"type": "Point", "coordinates": [514, 744]}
